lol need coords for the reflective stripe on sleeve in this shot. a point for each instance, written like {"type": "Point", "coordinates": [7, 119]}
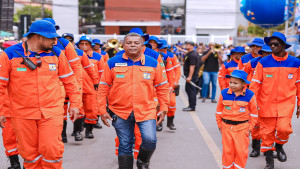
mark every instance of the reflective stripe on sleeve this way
{"type": "Point", "coordinates": [53, 161]}
{"type": "Point", "coordinates": [176, 66]}
{"type": "Point", "coordinates": [169, 69]}
{"type": "Point", "coordinates": [165, 82]}
{"type": "Point", "coordinates": [172, 107]}
{"type": "Point", "coordinates": [3, 78]}
{"type": "Point", "coordinates": [12, 150]}
{"type": "Point", "coordinates": [73, 60]}
{"type": "Point", "coordinates": [219, 112]}
{"type": "Point", "coordinates": [297, 81]}
{"type": "Point", "coordinates": [101, 70]}
{"type": "Point", "coordinates": [103, 83]}
{"type": "Point", "coordinates": [254, 115]}
{"type": "Point", "coordinates": [33, 161]}
{"type": "Point", "coordinates": [87, 66]}
{"type": "Point", "coordinates": [67, 75]}
{"type": "Point", "coordinates": [254, 80]}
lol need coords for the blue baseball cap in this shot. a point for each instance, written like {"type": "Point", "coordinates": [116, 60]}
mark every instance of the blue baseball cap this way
{"type": "Point", "coordinates": [265, 48]}
{"type": "Point", "coordinates": [43, 28]}
{"type": "Point", "coordinates": [154, 38]}
{"type": "Point", "coordinates": [86, 38]}
{"type": "Point", "coordinates": [239, 49]}
{"type": "Point", "coordinates": [164, 44]}
{"type": "Point", "coordinates": [140, 32]}
{"type": "Point", "coordinates": [97, 41]}
{"type": "Point", "coordinates": [69, 35]}
{"type": "Point", "coordinates": [256, 42]}
{"type": "Point", "coordinates": [278, 35]}
{"type": "Point", "coordinates": [240, 74]}
{"type": "Point", "coordinates": [53, 22]}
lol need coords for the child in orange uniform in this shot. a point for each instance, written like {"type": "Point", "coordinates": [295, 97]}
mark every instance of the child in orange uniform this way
{"type": "Point", "coordinates": [236, 117]}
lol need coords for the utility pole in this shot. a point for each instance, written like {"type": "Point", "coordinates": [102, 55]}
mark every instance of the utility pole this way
{"type": "Point", "coordinates": [43, 9]}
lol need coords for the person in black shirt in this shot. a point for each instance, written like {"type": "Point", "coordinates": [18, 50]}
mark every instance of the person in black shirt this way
{"type": "Point", "coordinates": [191, 70]}
{"type": "Point", "coordinates": [211, 60]}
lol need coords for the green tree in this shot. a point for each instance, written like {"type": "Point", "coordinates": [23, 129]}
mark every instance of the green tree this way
{"type": "Point", "coordinates": [255, 30]}
{"type": "Point", "coordinates": [34, 11]}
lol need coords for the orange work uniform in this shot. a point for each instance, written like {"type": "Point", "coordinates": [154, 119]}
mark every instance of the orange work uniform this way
{"type": "Point", "coordinates": [235, 138]}
{"type": "Point", "coordinates": [8, 134]}
{"type": "Point", "coordinates": [87, 70]}
{"type": "Point", "coordinates": [250, 69]}
{"type": "Point", "coordinates": [226, 69]}
{"type": "Point", "coordinates": [276, 83]}
{"type": "Point", "coordinates": [245, 59]}
{"type": "Point", "coordinates": [89, 96]}
{"type": "Point", "coordinates": [36, 101]}
{"type": "Point", "coordinates": [103, 54]}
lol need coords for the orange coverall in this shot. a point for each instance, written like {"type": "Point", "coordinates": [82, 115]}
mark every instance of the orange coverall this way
{"type": "Point", "coordinates": [103, 54]}
{"type": "Point", "coordinates": [118, 77]}
{"type": "Point", "coordinates": [87, 70]}
{"type": "Point", "coordinates": [276, 82]}
{"type": "Point", "coordinates": [226, 70]}
{"type": "Point", "coordinates": [37, 103]}
{"type": "Point", "coordinates": [235, 138]}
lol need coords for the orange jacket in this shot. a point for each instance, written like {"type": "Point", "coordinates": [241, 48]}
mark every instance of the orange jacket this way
{"type": "Point", "coordinates": [129, 86]}
{"type": "Point", "coordinates": [245, 59]}
{"type": "Point", "coordinates": [70, 53]}
{"type": "Point", "coordinates": [226, 69]}
{"type": "Point", "coordinates": [169, 68]}
{"type": "Point", "coordinates": [237, 108]}
{"type": "Point", "coordinates": [103, 54]}
{"type": "Point", "coordinates": [97, 63]}
{"type": "Point", "coordinates": [88, 69]}
{"type": "Point", "coordinates": [176, 67]}
{"type": "Point", "coordinates": [250, 67]}
{"type": "Point", "coordinates": [37, 93]}
{"type": "Point", "coordinates": [276, 85]}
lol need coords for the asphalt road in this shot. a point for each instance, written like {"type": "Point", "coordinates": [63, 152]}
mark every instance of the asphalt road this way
{"type": "Point", "coordinates": [196, 144]}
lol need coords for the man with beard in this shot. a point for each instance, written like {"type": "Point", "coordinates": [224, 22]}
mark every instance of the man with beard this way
{"type": "Point", "coordinates": [128, 84]}
{"type": "Point", "coordinates": [32, 72]}
{"type": "Point", "coordinates": [276, 82]}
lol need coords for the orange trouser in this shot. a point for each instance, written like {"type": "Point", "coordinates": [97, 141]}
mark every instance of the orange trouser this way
{"type": "Point", "coordinates": [235, 140]}
{"type": "Point", "coordinates": [274, 129]}
{"type": "Point", "coordinates": [138, 142]}
{"type": "Point", "coordinates": [39, 142]}
{"type": "Point", "coordinates": [172, 106]}
{"type": "Point", "coordinates": [90, 108]}
{"type": "Point", "coordinates": [9, 139]}
{"type": "Point", "coordinates": [255, 134]}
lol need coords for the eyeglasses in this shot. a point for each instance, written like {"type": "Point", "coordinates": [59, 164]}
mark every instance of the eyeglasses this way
{"type": "Point", "coordinates": [38, 62]}
{"type": "Point", "coordinates": [254, 46]}
{"type": "Point", "coordinates": [274, 43]}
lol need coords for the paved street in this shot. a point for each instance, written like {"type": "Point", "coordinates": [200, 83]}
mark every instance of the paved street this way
{"type": "Point", "coordinates": [196, 144]}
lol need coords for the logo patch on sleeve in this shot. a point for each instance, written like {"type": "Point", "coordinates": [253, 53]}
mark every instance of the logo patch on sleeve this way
{"type": "Point", "coordinates": [162, 64]}
{"type": "Point", "coordinates": [147, 76]}
{"type": "Point", "coordinates": [290, 76]}
{"type": "Point", "coordinates": [242, 109]}
{"type": "Point", "coordinates": [52, 67]}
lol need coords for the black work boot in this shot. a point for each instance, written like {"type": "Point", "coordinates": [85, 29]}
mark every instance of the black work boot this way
{"type": "Point", "coordinates": [64, 133]}
{"type": "Point", "coordinates": [125, 162]}
{"type": "Point", "coordinates": [256, 148]}
{"type": "Point", "coordinates": [281, 156]}
{"type": "Point", "coordinates": [14, 162]}
{"type": "Point", "coordinates": [269, 160]}
{"type": "Point", "coordinates": [97, 125]}
{"type": "Point", "coordinates": [88, 130]}
{"type": "Point", "coordinates": [160, 126]}
{"type": "Point", "coordinates": [77, 130]}
{"type": "Point", "coordinates": [143, 159]}
{"type": "Point", "coordinates": [170, 123]}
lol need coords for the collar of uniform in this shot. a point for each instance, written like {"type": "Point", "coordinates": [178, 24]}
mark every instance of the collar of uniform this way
{"type": "Point", "coordinates": [280, 58]}
{"type": "Point", "coordinates": [243, 93]}
{"type": "Point", "coordinates": [29, 53]}
{"type": "Point", "coordinates": [237, 61]}
{"type": "Point", "coordinates": [144, 48]}
{"type": "Point", "coordinates": [90, 53]}
{"type": "Point", "coordinates": [98, 51]}
{"type": "Point", "coordinates": [142, 58]}
{"type": "Point", "coordinates": [255, 55]}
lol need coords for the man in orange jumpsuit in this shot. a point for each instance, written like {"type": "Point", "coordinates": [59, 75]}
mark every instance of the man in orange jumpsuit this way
{"type": "Point", "coordinates": [89, 96]}
{"type": "Point", "coordinates": [274, 74]}
{"type": "Point", "coordinates": [255, 46]}
{"type": "Point", "coordinates": [230, 67]}
{"type": "Point", "coordinates": [88, 70]}
{"type": "Point", "coordinates": [97, 48]}
{"type": "Point", "coordinates": [128, 85]}
{"type": "Point", "coordinates": [250, 69]}
{"type": "Point", "coordinates": [173, 68]}
{"type": "Point", "coordinates": [8, 134]}
{"type": "Point", "coordinates": [32, 72]}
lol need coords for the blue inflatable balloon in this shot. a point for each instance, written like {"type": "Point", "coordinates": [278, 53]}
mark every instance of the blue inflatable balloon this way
{"type": "Point", "coordinates": [266, 13]}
